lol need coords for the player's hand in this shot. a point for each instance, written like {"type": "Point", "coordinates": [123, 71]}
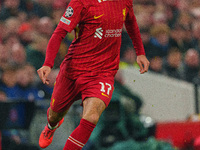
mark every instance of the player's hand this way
{"type": "Point", "coordinates": [143, 63]}
{"type": "Point", "coordinates": [43, 73]}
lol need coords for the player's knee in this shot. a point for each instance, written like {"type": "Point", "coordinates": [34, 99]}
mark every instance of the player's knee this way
{"type": "Point", "coordinates": [93, 118]}
{"type": "Point", "coordinates": [54, 117]}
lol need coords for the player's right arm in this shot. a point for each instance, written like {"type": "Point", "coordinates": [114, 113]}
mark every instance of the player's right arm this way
{"type": "Point", "coordinates": [68, 22]}
{"type": "Point", "coordinates": [51, 52]}
{"type": "Point", "coordinates": [43, 73]}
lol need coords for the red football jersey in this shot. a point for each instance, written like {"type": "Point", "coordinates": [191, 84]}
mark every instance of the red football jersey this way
{"type": "Point", "coordinates": [98, 24]}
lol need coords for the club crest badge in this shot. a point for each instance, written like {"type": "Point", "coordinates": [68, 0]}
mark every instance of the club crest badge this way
{"type": "Point", "coordinates": [69, 12]}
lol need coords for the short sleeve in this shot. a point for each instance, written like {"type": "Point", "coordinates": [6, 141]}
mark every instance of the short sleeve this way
{"type": "Point", "coordinates": [72, 15]}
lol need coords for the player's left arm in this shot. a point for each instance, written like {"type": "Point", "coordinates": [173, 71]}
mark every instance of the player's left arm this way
{"type": "Point", "coordinates": [134, 33]}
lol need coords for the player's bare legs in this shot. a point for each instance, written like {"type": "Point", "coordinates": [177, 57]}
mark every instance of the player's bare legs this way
{"type": "Point", "coordinates": [54, 117]}
{"type": "Point", "coordinates": [92, 110]}
{"type": "Point", "coordinates": [54, 121]}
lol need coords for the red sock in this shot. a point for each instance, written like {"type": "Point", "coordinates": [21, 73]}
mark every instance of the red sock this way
{"type": "Point", "coordinates": [51, 124]}
{"type": "Point", "coordinates": [79, 136]}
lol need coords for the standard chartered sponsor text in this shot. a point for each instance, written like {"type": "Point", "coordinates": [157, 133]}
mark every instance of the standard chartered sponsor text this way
{"type": "Point", "coordinates": [113, 33]}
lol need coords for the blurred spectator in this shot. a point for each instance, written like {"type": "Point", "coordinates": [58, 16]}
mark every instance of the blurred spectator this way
{"type": "Point", "coordinates": [18, 54]}
{"type": "Point", "coordinates": [12, 25]}
{"type": "Point", "coordinates": [160, 38]}
{"type": "Point", "coordinates": [46, 26]}
{"type": "Point", "coordinates": [143, 13]}
{"type": "Point", "coordinates": [196, 35]}
{"type": "Point", "coordinates": [8, 82]}
{"type": "Point", "coordinates": [156, 64]}
{"type": "Point", "coordinates": [36, 51]}
{"type": "Point", "coordinates": [32, 8]}
{"type": "Point", "coordinates": [59, 7]}
{"type": "Point", "coordinates": [10, 40]}
{"type": "Point", "coordinates": [9, 8]}
{"type": "Point", "coordinates": [60, 4]}
{"type": "Point", "coordinates": [172, 11]}
{"type": "Point", "coordinates": [22, 17]}
{"type": "Point", "coordinates": [47, 6]}
{"type": "Point", "coordinates": [31, 73]}
{"type": "Point", "coordinates": [25, 83]}
{"type": "Point", "coordinates": [191, 65]}
{"type": "Point", "coordinates": [185, 19]}
{"type": "Point", "coordinates": [150, 49]}
{"type": "Point", "coordinates": [194, 9]}
{"type": "Point", "coordinates": [25, 33]}
{"type": "Point", "coordinates": [160, 16]}
{"type": "Point", "coordinates": [128, 58]}
{"type": "Point", "coordinates": [181, 38]}
{"type": "Point", "coordinates": [33, 21]}
{"type": "Point", "coordinates": [13, 139]}
{"type": "Point", "coordinates": [172, 63]}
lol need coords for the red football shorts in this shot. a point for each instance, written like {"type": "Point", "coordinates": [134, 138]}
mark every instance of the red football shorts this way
{"type": "Point", "coordinates": [67, 91]}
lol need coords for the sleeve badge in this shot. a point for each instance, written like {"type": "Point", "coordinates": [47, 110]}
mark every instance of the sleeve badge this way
{"type": "Point", "coordinates": [69, 12]}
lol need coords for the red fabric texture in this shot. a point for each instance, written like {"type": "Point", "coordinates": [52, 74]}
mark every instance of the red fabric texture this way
{"type": "Point", "coordinates": [79, 136]}
{"type": "Point", "coordinates": [181, 134]}
{"type": "Point", "coordinates": [134, 33]}
{"type": "Point", "coordinates": [67, 91]}
{"type": "Point", "coordinates": [53, 46]}
{"type": "Point", "coordinates": [96, 48]}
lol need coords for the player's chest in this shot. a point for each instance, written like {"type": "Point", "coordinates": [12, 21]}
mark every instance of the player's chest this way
{"type": "Point", "coordinates": [107, 12]}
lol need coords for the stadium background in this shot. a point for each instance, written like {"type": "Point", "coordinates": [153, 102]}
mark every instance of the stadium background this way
{"type": "Point", "coordinates": [164, 104]}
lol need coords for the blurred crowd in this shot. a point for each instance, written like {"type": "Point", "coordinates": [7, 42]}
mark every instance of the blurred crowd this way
{"type": "Point", "coordinates": [25, 28]}
{"type": "Point", "coordinates": [170, 32]}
